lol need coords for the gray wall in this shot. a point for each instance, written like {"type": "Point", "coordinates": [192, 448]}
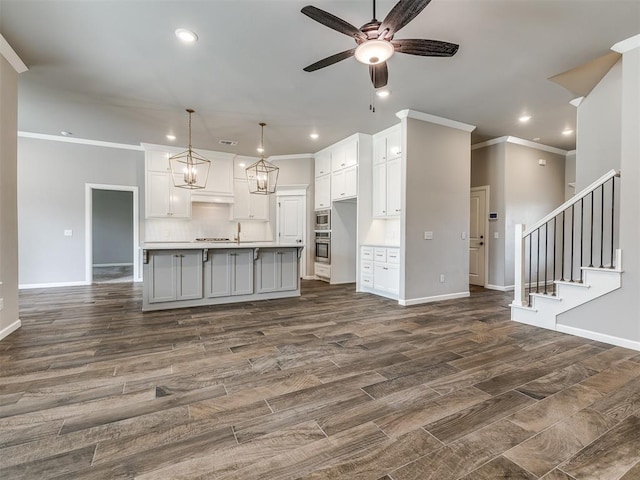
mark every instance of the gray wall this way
{"type": "Point", "coordinates": [616, 314]}
{"type": "Point", "coordinates": [599, 125]}
{"type": "Point", "coordinates": [488, 168]}
{"type": "Point", "coordinates": [112, 227]}
{"type": "Point", "coordinates": [8, 194]}
{"type": "Point", "coordinates": [436, 177]}
{"type": "Point", "coordinates": [51, 198]}
{"type": "Point", "coordinates": [531, 192]}
{"type": "Point", "coordinates": [570, 175]}
{"type": "Point", "coordinates": [521, 191]}
{"type": "Point", "coordinates": [299, 171]}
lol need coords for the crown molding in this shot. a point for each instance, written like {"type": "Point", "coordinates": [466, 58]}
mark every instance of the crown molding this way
{"type": "Point", "coordinates": [83, 141]}
{"type": "Point", "coordinates": [301, 156]}
{"type": "Point", "coordinates": [12, 57]}
{"type": "Point", "coordinates": [519, 141]}
{"type": "Point", "coordinates": [427, 117]}
{"type": "Point", "coordinates": [627, 45]}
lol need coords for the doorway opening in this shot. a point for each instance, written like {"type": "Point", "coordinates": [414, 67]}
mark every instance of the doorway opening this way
{"type": "Point", "coordinates": [112, 254]}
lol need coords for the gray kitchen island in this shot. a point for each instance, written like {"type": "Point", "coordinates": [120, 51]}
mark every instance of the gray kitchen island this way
{"type": "Point", "coordinates": [189, 274]}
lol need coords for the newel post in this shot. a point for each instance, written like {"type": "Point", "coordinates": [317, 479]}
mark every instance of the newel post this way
{"type": "Point", "coordinates": [519, 293]}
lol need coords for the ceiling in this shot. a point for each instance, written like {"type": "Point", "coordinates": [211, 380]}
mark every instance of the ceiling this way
{"type": "Point", "coordinates": [114, 70]}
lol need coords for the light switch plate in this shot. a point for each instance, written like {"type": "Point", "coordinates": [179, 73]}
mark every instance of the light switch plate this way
{"type": "Point", "coordinates": [496, 235]}
{"type": "Point", "coordinates": [463, 235]}
{"type": "Point", "coordinates": [428, 235]}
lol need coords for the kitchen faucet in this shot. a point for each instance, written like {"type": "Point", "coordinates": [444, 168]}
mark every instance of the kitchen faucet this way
{"type": "Point", "coordinates": [238, 230]}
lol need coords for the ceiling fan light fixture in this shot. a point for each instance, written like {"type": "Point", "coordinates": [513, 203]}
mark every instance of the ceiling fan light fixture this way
{"type": "Point", "coordinates": [186, 36]}
{"type": "Point", "coordinates": [383, 92]}
{"type": "Point", "coordinates": [373, 52]}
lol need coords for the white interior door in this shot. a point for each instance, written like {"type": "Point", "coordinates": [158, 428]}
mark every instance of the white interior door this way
{"type": "Point", "coordinates": [477, 236]}
{"type": "Point", "coordinates": [291, 223]}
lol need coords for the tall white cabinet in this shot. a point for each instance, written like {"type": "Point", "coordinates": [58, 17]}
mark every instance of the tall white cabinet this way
{"type": "Point", "coordinates": [387, 173]}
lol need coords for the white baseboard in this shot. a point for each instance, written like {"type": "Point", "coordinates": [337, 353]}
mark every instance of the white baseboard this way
{"type": "Point", "coordinates": [501, 288]}
{"type": "Point", "coordinates": [309, 277]}
{"type": "Point", "coordinates": [113, 264]}
{"type": "Point", "coordinates": [600, 337]}
{"type": "Point", "coordinates": [6, 331]}
{"type": "Point", "coordinates": [27, 286]}
{"type": "Point", "coordinates": [436, 298]}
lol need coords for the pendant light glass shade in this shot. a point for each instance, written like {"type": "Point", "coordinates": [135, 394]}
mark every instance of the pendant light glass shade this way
{"type": "Point", "coordinates": [189, 169]}
{"type": "Point", "coordinates": [262, 176]}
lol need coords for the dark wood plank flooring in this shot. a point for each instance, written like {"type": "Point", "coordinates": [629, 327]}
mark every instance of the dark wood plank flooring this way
{"type": "Point", "coordinates": [331, 385]}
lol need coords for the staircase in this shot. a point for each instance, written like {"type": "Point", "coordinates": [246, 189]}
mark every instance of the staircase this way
{"type": "Point", "coordinates": [569, 257]}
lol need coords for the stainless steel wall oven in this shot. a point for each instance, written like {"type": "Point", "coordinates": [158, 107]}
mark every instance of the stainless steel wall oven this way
{"type": "Point", "coordinates": [323, 247]}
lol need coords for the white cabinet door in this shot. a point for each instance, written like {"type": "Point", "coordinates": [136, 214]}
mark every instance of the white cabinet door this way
{"type": "Point", "coordinates": [157, 161]}
{"type": "Point", "coordinates": [393, 279]}
{"type": "Point", "coordinates": [288, 269]}
{"type": "Point", "coordinates": [394, 144]}
{"type": "Point", "coordinates": [351, 154]}
{"type": "Point", "coordinates": [162, 281]}
{"type": "Point", "coordinates": [394, 187]}
{"type": "Point", "coordinates": [379, 150]}
{"type": "Point", "coordinates": [158, 194]}
{"type": "Point", "coordinates": [220, 178]}
{"type": "Point", "coordinates": [277, 270]}
{"type": "Point", "coordinates": [248, 206]}
{"type": "Point", "coordinates": [380, 190]}
{"type": "Point", "coordinates": [351, 181]}
{"type": "Point", "coordinates": [338, 158]}
{"type": "Point", "coordinates": [180, 201]}
{"type": "Point", "coordinates": [323, 164]}
{"type": "Point", "coordinates": [337, 185]}
{"type": "Point", "coordinates": [266, 271]}
{"type": "Point", "coordinates": [323, 192]}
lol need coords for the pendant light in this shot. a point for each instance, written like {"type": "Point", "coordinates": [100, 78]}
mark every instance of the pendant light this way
{"type": "Point", "coordinates": [262, 176]}
{"type": "Point", "coordinates": [189, 169]}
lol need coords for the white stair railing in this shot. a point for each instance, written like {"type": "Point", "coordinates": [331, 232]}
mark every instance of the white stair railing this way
{"type": "Point", "coordinates": [578, 233]}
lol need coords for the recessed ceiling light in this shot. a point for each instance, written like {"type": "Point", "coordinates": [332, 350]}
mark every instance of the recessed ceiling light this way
{"type": "Point", "coordinates": [65, 133]}
{"type": "Point", "coordinates": [186, 35]}
{"type": "Point", "coordinates": [524, 118]}
{"type": "Point", "coordinates": [383, 92]}
{"type": "Point", "coordinates": [260, 150]}
{"type": "Point", "coordinates": [536, 139]}
{"type": "Point", "coordinates": [171, 137]}
{"type": "Point", "coordinates": [314, 136]}
{"type": "Point", "coordinates": [567, 131]}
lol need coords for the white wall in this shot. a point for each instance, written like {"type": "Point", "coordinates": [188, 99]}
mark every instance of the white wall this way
{"type": "Point", "coordinates": [618, 313]}
{"type": "Point", "coordinates": [112, 227]}
{"type": "Point", "coordinates": [570, 175]}
{"type": "Point", "coordinates": [8, 198]}
{"type": "Point", "coordinates": [51, 198]}
{"type": "Point", "coordinates": [436, 171]}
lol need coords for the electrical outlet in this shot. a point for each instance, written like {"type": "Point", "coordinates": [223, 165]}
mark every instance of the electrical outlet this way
{"type": "Point", "coordinates": [463, 235]}
{"type": "Point", "coordinates": [442, 278]}
{"type": "Point", "coordinates": [1, 304]}
{"type": "Point", "coordinates": [68, 233]}
{"type": "Point", "coordinates": [496, 235]}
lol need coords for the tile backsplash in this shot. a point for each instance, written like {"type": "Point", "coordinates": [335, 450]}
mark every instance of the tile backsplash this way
{"type": "Point", "coordinates": [207, 220]}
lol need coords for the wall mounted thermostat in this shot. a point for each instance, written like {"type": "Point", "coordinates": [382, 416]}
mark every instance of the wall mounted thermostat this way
{"type": "Point", "coordinates": [493, 216]}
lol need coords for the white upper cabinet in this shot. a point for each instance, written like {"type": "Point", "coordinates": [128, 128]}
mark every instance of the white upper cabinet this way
{"type": "Point", "coordinates": [344, 183]}
{"type": "Point", "coordinates": [323, 192]}
{"type": "Point", "coordinates": [387, 173]}
{"type": "Point", "coordinates": [163, 200]}
{"type": "Point", "coordinates": [344, 155]}
{"type": "Point", "coordinates": [323, 164]}
{"type": "Point", "coordinates": [387, 145]}
{"type": "Point", "coordinates": [248, 206]}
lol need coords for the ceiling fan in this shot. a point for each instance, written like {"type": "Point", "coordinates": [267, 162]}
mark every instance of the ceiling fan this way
{"type": "Point", "coordinates": [375, 43]}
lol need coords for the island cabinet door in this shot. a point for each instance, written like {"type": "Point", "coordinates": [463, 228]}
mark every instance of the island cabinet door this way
{"type": "Point", "coordinates": [266, 271]}
{"type": "Point", "coordinates": [277, 270]}
{"type": "Point", "coordinates": [242, 272]}
{"type": "Point", "coordinates": [162, 277]}
{"type": "Point", "coordinates": [189, 275]}
{"type": "Point", "coordinates": [288, 275]}
{"type": "Point", "coordinates": [217, 271]}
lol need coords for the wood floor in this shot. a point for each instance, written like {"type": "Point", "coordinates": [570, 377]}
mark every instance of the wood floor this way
{"type": "Point", "coordinates": [332, 385]}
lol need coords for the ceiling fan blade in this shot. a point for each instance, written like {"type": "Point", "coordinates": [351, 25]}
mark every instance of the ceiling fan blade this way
{"type": "Point", "coordinates": [425, 48]}
{"type": "Point", "coordinates": [379, 74]}
{"type": "Point", "coordinates": [325, 62]}
{"type": "Point", "coordinates": [333, 22]}
{"type": "Point", "coordinates": [403, 12]}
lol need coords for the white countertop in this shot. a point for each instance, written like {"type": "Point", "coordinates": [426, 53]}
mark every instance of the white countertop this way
{"type": "Point", "coordinates": [220, 245]}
